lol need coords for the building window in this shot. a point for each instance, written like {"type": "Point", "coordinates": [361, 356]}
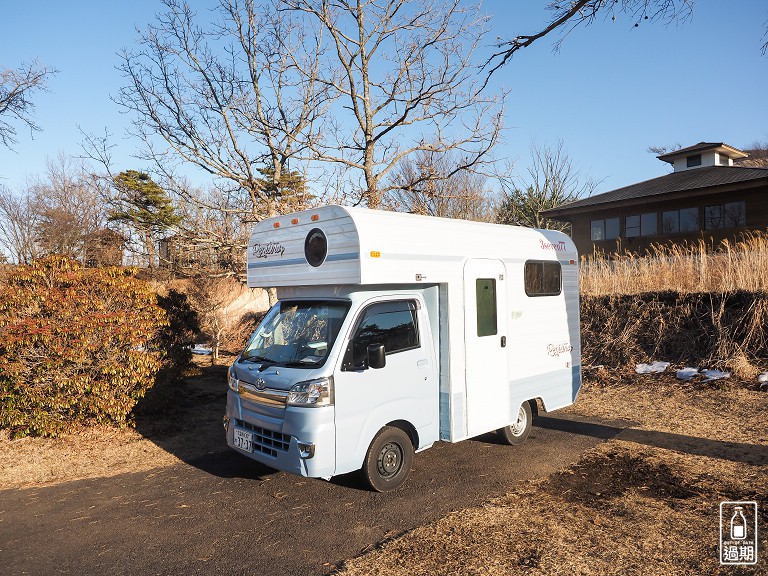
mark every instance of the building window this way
{"type": "Point", "coordinates": [542, 278]}
{"type": "Point", "coordinates": [677, 221]}
{"type": "Point", "coordinates": [694, 160]}
{"type": "Point", "coordinates": [728, 215]}
{"type": "Point", "coordinates": [485, 295]}
{"type": "Point", "coordinates": [724, 160]}
{"type": "Point", "coordinates": [640, 225]}
{"type": "Point", "coordinates": [607, 229]}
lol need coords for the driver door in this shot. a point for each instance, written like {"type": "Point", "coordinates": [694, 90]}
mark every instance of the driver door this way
{"type": "Point", "coordinates": [404, 389]}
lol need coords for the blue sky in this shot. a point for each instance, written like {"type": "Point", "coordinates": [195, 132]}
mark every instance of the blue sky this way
{"type": "Point", "coordinates": [610, 93]}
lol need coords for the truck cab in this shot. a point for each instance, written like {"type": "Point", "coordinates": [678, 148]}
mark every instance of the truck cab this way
{"type": "Point", "coordinates": [321, 377]}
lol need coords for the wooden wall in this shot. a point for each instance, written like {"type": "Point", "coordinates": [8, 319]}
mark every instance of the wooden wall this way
{"type": "Point", "coordinates": [756, 200]}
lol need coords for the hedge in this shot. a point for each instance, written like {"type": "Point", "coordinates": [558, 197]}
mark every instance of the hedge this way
{"type": "Point", "coordinates": [77, 346]}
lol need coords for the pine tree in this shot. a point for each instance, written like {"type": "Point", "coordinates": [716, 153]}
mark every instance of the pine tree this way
{"type": "Point", "coordinates": [145, 207]}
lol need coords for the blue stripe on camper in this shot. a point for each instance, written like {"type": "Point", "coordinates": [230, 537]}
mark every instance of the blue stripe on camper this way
{"type": "Point", "coordinates": [294, 261]}
{"type": "Point", "coordinates": [347, 256]}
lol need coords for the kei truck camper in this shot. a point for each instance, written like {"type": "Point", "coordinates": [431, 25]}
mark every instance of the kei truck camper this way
{"type": "Point", "coordinates": [393, 331]}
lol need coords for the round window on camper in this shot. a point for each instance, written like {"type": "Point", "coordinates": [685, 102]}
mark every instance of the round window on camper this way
{"type": "Point", "coordinates": [315, 247]}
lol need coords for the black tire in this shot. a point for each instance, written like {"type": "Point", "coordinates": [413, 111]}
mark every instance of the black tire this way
{"type": "Point", "coordinates": [515, 434]}
{"type": "Point", "coordinates": [389, 460]}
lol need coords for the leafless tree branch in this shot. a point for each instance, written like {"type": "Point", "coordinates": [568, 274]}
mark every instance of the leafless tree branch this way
{"type": "Point", "coordinates": [17, 86]}
{"type": "Point", "coordinates": [231, 97]}
{"type": "Point", "coordinates": [405, 76]}
{"type": "Point", "coordinates": [568, 15]}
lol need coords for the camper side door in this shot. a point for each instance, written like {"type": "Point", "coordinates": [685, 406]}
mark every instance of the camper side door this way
{"type": "Point", "coordinates": [404, 389]}
{"type": "Point", "coordinates": [486, 352]}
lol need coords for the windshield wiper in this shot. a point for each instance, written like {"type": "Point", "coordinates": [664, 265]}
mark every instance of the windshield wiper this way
{"type": "Point", "coordinates": [301, 364]}
{"type": "Point", "coordinates": [257, 358]}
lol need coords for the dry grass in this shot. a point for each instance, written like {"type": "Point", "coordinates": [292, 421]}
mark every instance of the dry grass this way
{"type": "Point", "coordinates": [711, 330]}
{"type": "Point", "coordinates": [697, 304]}
{"type": "Point", "coordinates": [694, 267]}
{"type": "Point", "coordinates": [628, 507]}
{"type": "Point", "coordinates": [652, 519]}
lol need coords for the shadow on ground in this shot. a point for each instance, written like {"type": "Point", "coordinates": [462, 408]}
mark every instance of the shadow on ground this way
{"type": "Point", "coordinates": [754, 454]}
{"type": "Point", "coordinates": [185, 420]}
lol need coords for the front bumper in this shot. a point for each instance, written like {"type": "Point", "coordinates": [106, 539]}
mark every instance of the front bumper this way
{"type": "Point", "coordinates": [294, 439]}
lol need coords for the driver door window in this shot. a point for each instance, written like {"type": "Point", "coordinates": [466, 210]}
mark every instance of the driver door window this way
{"type": "Point", "coordinates": [393, 324]}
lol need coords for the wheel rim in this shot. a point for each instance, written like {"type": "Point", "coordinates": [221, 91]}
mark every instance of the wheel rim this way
{"type": "Point", "coordinates": [522, 420]}
{"type": "Point", "coordinates": [390, 459]}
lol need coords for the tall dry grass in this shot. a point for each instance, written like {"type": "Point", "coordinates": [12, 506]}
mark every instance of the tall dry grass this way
{"type": "Point", "coordinates": [686, 304]}
{"type": "Point", "coordinates": [693, 267]}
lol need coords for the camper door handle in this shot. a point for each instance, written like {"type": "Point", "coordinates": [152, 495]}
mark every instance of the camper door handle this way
{"type": "Point", "coordinates": [503, 341]}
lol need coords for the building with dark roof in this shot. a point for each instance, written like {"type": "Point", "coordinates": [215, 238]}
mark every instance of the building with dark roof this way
{"type": "Point", "coordinates": [705, 197]}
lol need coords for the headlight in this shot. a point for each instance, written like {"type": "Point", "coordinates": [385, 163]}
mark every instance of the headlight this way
{"type": "Point", "coordinates": [234, 383]}
{"type": "Point", "coordinates": [318, 392]}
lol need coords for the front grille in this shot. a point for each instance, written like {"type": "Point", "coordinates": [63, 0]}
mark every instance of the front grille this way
{"type": "Point", "coordinates": [266, 441]}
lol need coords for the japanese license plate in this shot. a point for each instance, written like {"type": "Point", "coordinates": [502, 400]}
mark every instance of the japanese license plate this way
{"type": "Point", "coordinates": [243, 439]}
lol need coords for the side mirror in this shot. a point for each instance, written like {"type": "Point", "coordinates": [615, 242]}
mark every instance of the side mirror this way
{"type": "Point", "coordinates": [376, 356]}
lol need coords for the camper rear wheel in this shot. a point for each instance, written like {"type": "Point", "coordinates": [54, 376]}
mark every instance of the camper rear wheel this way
{"type": "Point", "coordinates": [389, 459]}
{"type": "Point", "coordinates": [515, 434]}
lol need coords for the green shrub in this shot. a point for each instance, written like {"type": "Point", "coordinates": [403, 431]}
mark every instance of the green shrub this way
{"type": "Point", "coordinates": [76, 346]}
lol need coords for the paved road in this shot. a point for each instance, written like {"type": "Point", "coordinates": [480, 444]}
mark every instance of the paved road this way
{"type": "Point", "coordinates": [224, 514]}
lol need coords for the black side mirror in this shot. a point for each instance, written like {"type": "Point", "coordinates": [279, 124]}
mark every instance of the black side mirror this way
{"type": "Point", "coordinates": [376, 356]}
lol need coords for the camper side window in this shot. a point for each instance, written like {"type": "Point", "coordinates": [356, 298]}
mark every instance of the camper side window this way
{"type": "Point", "coordinates": [542, 278]}
{"type": "Point", "coordinates": [485, 294]}
{"type": "Point", "coordinates": [392, 324]}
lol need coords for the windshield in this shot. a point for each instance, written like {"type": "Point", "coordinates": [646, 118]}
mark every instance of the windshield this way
{"type": "Point", "coordinates": [297, 333]}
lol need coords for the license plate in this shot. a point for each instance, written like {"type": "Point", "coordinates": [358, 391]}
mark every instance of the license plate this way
{"type": "Point", "coordinates": [243, 439]}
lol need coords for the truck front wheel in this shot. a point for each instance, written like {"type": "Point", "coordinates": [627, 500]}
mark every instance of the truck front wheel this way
{"type": "Point", "coordinates": [515, 434]}
{"type": "Point", "coordinates": [389, 459]}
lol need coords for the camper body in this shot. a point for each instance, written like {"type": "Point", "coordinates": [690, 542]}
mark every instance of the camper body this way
{"type": "Point", "coordinates": [393, 331]}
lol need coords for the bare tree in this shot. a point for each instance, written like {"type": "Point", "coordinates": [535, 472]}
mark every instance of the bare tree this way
{"type": "Point", "coordinates": [552, 182]}
{"type": "Point", "coordinates": [224, 308]}
{"type": "Point", "coordinates": [664, 149]}
{"type": "Point", "coordinates": [17, 86]}
{"type": "Point", "coordinates": [230, 96]}
{"type": "Point", "coordinates": [405, 73]}
{"type": "Point", "coordinates": [69, 211]}
{"type": "Point", "coordinates": [462, 195]}
{"type": "Point", "coordinates": [59, 213]}
{"type": "Point", "coordinates": [212, 235]}
{"type": "Point", "coordinates": [567, 15]}
{"type": "Point", "coordinates": [18, 221]}
{"type": "Point", "coordinates": [758, 156]}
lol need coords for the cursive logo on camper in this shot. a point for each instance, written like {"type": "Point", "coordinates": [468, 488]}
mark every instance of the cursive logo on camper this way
{"type": "Point", "coordinates": [557, 349]}
{"type": "Point", "coordinates": [268, 249]}
{"type": "Point", "coordinates": [556, 246]}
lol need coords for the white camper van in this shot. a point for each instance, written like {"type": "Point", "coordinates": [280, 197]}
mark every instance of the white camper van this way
{"type": "Point", "coordinates": [393, 331]}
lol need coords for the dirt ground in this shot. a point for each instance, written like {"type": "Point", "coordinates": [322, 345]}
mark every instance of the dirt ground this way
{"type": "Point", "coordinates": [644, 502]}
